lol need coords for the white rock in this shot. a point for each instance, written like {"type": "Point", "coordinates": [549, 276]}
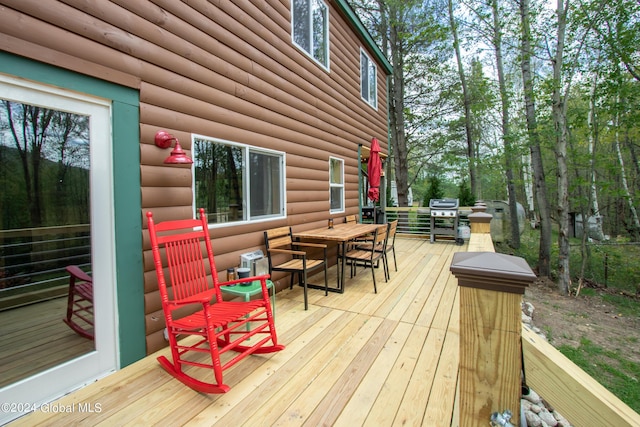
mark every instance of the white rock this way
{"type": "Point", "coordinates": [548, 418]}
{"type": "Point", "coordinates": [532, 396]}
{"type": "Point", "coordinates": [533, 420]}
{"type": "Point", "coordinates": [536, 409]}
{"type": "Point", "coordinates": [562, 421]}
{"type": "Point", "coordinates": [528, 308]}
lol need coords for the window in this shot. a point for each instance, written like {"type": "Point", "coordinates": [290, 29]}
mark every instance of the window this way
{"type": "Point", "coordinates": [336, 184]}
{"type": "Point", "coordinates": [310, 27]}
{"type": "Point", "coordinates": [236, 182]}
{"type": "Point", "coordinates": [368, 80]}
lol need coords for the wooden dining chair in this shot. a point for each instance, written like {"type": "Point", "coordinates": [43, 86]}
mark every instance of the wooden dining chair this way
{"type": "Point", "coordinates": [370, 256]}
{"type": "Point", "coordinates": [286, 255]}
{"type": "Point", "coordinates": [211, 326]}
{"type": "Point", "coordinates": [351, 219]}
{"type": "Point", "coordinates": [391, 244]}
{"type": "Point", "coordinates": [388, 247]}
{"type": "Point", "coordinates": [80, 302]}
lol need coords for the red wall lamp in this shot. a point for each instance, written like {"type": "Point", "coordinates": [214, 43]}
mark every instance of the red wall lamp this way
{"type": "Point", "coordinates": [163, 140]}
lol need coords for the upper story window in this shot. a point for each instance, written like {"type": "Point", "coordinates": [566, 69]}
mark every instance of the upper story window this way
{"type": "Point", "coordinates": [336, 184]}
{"type": "Point", "coordinates": [236, 182]}
{"type": "Point", "coordinates": [368, 80]}
{"type": "Point", "coordinates": [310, 27]}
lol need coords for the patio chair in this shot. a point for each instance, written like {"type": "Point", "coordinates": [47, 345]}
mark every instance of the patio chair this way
{"type": "Point", "coordinates": [285, 254]}
{"type": "Point", "coordinates": [211, 326]}
{"type": "Point", "coordinates": [80, 302]}
{"type": "Point", "coordinates": [351, 219]}
{"type": "Point", "coordinates": [389, 247]}
{"type": "Point", "coordinates": [371, 255]}
{"type": "Point", "coordinates": [391, 244]}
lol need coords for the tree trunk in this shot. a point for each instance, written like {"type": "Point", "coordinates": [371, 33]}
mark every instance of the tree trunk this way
{"type": "Point", "coordinates": [539, 179]}
{"type": "Point", "coordinates": [560, 125]}
{"type": "Point", "coordinates": [593, 139]}
{"type": "Point", "coordinates": [467, 106]}
{"type": "Point", "coordinates": [635, 231]}
{"type": "Point", "coordinates": [506, 132]}
{"type": "Point", "coordinates": [397, 106]}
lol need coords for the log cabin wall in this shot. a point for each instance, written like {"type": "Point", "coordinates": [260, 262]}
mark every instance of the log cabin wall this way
{"type": "Point", "coordinates": [225, 70]}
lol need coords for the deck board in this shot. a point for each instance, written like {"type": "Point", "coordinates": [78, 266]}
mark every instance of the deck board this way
{"type": "Point", "coordinates": [35, 338]}
{"type": "Point", "coordinates": [356, 358]}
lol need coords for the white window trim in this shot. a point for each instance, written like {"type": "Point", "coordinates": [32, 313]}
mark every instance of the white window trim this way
{"type": "Point", "coordinates": [371, 65]}
{"type": "Point", "coordinates": [246, 201]}
{"type": "Point", "coordinates": [341, 185]}
{"type": "Point", "coordinates": [326, 67]}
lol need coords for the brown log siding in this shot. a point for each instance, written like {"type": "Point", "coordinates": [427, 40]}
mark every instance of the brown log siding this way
{"type": "Point", "coordinates": [222, 69]}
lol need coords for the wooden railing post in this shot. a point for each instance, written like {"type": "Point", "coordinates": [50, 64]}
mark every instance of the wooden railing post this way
{"type": "Point", "coordinates": [491, 289]}
{"type": "Point", "coordinates": [479, 220]}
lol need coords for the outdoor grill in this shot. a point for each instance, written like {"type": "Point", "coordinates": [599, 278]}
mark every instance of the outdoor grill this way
{"type": "Point", "coordinates": [444, 218]}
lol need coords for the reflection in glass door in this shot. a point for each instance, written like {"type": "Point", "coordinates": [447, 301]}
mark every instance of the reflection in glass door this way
{"type": "Point", "coordinates": [56, 284]}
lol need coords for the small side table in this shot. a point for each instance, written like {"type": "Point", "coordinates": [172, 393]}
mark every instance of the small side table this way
{"type": "Point", "coordinates": [249, 289]}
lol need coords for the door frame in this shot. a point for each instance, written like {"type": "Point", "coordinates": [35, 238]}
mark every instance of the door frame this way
{"type": "Point", "coordinates": [125, 269]}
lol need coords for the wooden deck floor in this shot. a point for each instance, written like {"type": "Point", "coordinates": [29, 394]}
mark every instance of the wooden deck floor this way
{"type": "Point", "coordinates": [352, 359]}
{"type": "Point", "coordinates": [35, 338]}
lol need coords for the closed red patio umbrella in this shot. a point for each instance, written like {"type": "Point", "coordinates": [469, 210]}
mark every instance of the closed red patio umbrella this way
{"type": "Point", "coordinates": [374, 170]}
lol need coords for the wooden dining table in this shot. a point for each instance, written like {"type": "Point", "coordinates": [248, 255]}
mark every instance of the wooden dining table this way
{"type": "Point", "coordinates": [340, 234]}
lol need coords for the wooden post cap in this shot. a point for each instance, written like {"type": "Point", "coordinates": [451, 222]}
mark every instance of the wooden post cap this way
{"type": "Point", "coordinates": [481, 217]}
{"type": "Point", "coordinates": [492, 271]}
{"type": "Point", "coordinates": [478, 207]}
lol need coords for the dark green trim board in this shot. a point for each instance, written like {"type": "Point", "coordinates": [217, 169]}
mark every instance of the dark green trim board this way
{"type": "Point", "coordinates": [346, 9]}
{"type": "Point", "coordinates": [128, 232]}
{"type": "Point", "coordinates": [127, 203]}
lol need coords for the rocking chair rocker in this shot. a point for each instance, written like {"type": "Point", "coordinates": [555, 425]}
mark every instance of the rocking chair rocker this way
{"type": "Point", "coordinates": [215, 326]}
{"type": "Point", "coordinates": [80, 302]}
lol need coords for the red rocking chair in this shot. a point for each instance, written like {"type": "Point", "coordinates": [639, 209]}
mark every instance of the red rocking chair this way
{"type": "Point", "coordinates": [215, 326]}
{"type": "Point", "coordinates": [80, 302]}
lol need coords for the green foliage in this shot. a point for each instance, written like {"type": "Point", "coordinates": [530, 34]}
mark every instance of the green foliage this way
{"type": "Point", "coordinates": [609, 368]}
{"type": "Point", "coordinates": [625, 306]}
{"type": "Point", "coordinates": [465, 197]}
{"type": "Point", "coordinates": [434, 190]}
{"type": "Point", "coordinates": [618, 268]}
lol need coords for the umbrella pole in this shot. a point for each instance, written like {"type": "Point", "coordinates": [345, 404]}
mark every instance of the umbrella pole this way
{"type": "Point", "coordinates": [360, 182]}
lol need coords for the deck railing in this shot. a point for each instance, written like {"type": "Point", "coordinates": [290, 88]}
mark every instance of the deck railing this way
{"type": "Point", "coordinates": [566, 387]}
{"type": "Point", "coordinates": [416, 221]}
{"type": "Point", "coordinates": [33, 261]}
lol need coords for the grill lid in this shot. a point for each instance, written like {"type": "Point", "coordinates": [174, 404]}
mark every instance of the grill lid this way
{"type": "Point", "coordinates": [443, 204]}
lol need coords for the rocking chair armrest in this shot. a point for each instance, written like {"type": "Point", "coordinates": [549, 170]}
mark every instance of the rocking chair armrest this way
{"type": "Point", "coordinates": [245, 280]}
{"type": "Point", "coordinates": [287, 251]}
{"type": "Point", "coordinates": [75, 271]}
{"type": "Point", "coordinates": [202, 298]}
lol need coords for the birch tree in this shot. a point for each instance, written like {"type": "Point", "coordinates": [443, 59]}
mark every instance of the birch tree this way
{"type": "Point", "coordinates": [623, 176]}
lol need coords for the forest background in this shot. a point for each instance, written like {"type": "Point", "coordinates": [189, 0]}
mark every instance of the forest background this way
{"type": "Point", "coordinates": [526, 101]}
{"type": "Point", "coordinates": [537, 103]}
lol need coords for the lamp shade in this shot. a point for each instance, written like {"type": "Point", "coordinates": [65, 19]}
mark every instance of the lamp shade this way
{"type": "Point", "coordinates": [178, 157]}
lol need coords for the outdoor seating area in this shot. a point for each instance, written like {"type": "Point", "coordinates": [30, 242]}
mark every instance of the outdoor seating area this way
{"type": "Point", "coordinates": [356, 358]}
